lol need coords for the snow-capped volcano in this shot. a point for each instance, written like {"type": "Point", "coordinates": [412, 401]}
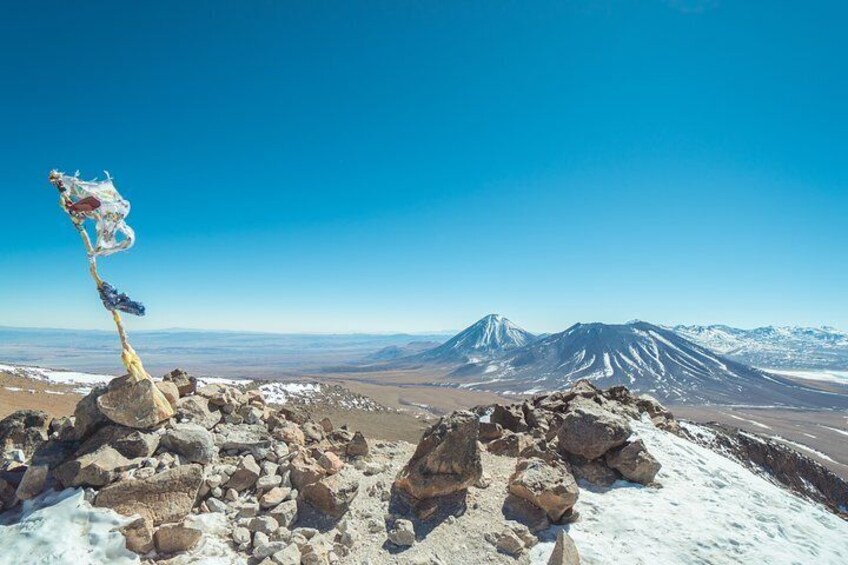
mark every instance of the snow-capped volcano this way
{"type": "Point", "coordinates": [786, 347]}
{"type": "Point", "coordinates": [487, 338]}
{"type": "Point", "coordinates": [643, 357]}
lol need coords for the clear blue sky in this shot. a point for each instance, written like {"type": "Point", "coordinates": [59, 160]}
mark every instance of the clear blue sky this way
{"type": "Point", "coordinates": [414, 165]}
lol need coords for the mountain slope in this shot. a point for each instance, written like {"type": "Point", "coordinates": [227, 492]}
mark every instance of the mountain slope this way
{"type": "Point", "coordinates": [789, 347]}
{"type": "Point", "coordinates": [487, 338]}
{"type": "Point", "coordinates": [641, 356]}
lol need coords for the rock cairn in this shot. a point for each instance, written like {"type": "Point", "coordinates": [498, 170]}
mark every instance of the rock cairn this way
{"type": "Point", "coordinates": [222, 451]}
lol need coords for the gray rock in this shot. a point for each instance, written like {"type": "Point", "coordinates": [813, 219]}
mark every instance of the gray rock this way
{"type": "Point", "coordinates": [565, 552]}
{"type": "Point", "coordinates": [590, 431]}
{"type": "Point", "coordinates": [197, 410]}
{"type": "Point", "coordinates": [190, 441]}
{"type": "Point", "coordinates": [241, 437]}
{"type": "Point", "coordinates": [264, 524]}
{"type": "Point", "coordinates": [548, 486]}
{"type": "Point", "coordinates": [245, 475]}
{"type": "Point", "coordinates": [402, 533]}
{"type": "Point", "coordinates": [634, 462]}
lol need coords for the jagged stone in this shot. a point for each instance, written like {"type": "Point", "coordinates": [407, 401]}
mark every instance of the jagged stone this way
{"type": "Point", "coordinates": [25, 430]}
{"type": "Point", "coordinates": [285, 513]}
{"type": "Point", "coordinates": [593, 472]}
{"type": "Point", "coordinates": [274, 497]}
{"type": "Point", "coordinates": [312, 432]}
{"type": "Point", "coordinates": [245, 475]}
{"type": "Point", "coordinates": [169, 391]}
{"type": "Point", "coordinates": [330, 462]}
{"type": "Point", "coordinates": [332, 495]}
{"type": "Point", "coordinates": [358, 446]}
{"type": "Point", "coordinates": [510, 445]}
{"type": "Point", "coordinates": [195, 409]}
{"type": "Point", "coordinates": [290, 433]}
{"type": "Point", "coordinates": [128, 442]}
{"type": "Point", "coordinates": [549, 486]}
{"type": "Point", "coordinates": [135, 404]}
{"type": "Point", "coordinates": [520, 510]}
{"type": "Point", "coordinates": [565, 552]}
{"type": "Point", "coordinates": [305, 471]}
{"type": "Point", "coordinates": [244, 437]}
{"type": "Point", "coordinates": [589, 431]}
{"type": "Point", "coordinates": [447, 459]}
{"type": "Point", "coordinates": [97, 468]}
{"type": "Point", "coordinates": [190, 441]}
{"type": "Point", "coordinates": [185, 383]}
{"type": "Point", "coordinates": [33, 482]}
{"type": "Point", "coordinates": [509, 417]}
{"type": "Point", "coordinates": [163, 498]}
{"type": "Point", "coordinates": [634, 462]}
{"type": "Point", "coordinates": [87, 416]}
{"type": "Point", "coordinates": [490, 431]}
{"type": "Point", "coordinates": [139, 535]}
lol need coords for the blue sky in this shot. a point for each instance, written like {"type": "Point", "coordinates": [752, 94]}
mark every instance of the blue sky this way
{"type": "Point", "coordinates": [412, 166]}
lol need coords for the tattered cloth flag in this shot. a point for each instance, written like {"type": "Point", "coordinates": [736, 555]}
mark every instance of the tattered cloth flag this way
{"type": "Point", "coordinates": [100, 202]}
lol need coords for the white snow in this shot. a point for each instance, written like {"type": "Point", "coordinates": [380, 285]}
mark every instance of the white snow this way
{"type": "Point", "coordinates": [709, 510]}
{"type": "Point", "coordinates": [754, 422]}
{"type": "Point", "coordinates": [837, 430]}
{"type": "Point", "coordinates": [59, 528]}
{"type": "Point", "coordinates": [828, 376]}
{"type": "Point", "coordinates": [60, 377]}
{"type": "Point", "coordinates": [223, 381]}
{"type": "Point", "coordinates": [279, 393]}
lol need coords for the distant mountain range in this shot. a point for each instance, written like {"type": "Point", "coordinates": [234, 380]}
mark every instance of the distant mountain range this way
{"type": "Point", "coordinates": [495, 354]}
{"type": "Point", "coordinates": [788, 347]}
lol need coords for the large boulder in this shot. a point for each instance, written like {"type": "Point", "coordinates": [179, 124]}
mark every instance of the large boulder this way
{"type": "Point", "coordinates": [305, 471]}
{"type": "Point", "coordinates": [548, 486]}
{"type": "Point", "coordinates": [96, 468]}
{"type": "Point", "coordinates": [128, 442]}
{"type": "Point", "coordinates": [358, 446]}
{"type": "Point", "coordinates": [447, 459]}
{"type": "Point", "coordinates": [165, 497]}
{"type": "Point", "coordinates": [25, 430]}
{"type": "Point", "coordinates": [87, 416]}
{"type": "Point", "coordinates": [332, 495]}
{"type": "Point", "coordinates": [590, 431]}
{"type": "Point", "coordinates": [191, 441]}
{"type": "Point", "coordinates": [634, 462]}
{"type": "Point", "coordinates": [246, 474]}
{"type": "Point", "coordinates": [134, 403]}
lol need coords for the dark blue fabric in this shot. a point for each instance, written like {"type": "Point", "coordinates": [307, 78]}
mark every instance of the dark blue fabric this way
{"type": "Point", "coordinates": [114, 300]}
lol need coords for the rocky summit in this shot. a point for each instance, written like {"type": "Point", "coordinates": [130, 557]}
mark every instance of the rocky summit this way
{"type": "Point", "coordinates": [234, 479]}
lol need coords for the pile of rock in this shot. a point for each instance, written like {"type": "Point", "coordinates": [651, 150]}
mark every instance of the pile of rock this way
{"type": "Point", "coordinates": [582, 433]}
{"type": "Point", "coordinates": [216, 449]}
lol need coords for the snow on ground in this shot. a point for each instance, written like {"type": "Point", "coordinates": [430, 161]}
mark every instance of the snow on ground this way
{"type": "Point", "coordinates": [803, 447]}
{"type": "Point", "coordinates": [754, 422]}
{"type": "Point", "coordinates": [86, 380]}
{"type": "Point", "coordinates": [829, 376]}
{"type": "Point", "coordinates": [223, 381]}
{"type": "Point", "coordinates": [280, 393]}
{"type": "Point", "coordinates": [60, 528]}
{"type": "Point", "coordinates": [709, 510]}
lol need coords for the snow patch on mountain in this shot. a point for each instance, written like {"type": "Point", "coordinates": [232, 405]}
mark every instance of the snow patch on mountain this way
{"type": "Point", "coordinates": [484, 340]}
{"type": "Point", "coordinates": [709, 510]}
{"type": "Point", "coordinates": [774, 347]}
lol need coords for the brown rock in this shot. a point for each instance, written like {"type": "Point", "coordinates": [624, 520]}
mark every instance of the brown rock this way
{"type": "Point", "coordinates": [330, 462]}
{"type": "Point", "coordinates": [590, 431]}
{"type": "Point", "coordinates": [186, 384]}
{"type": "Point", "coordinates": [175, 538]}
{"type": "Point", "coordinates": [634, 462]}
{"type": "Point", "coordinates": [33, 482]}
{"type": "Point", "coordinates": [305, 471]}
{"type": "Point", "coordinates": [273, 497]}
{"type": "Point", "coordinates": [97, 468]}
{"type": "Point", "coordinates": [87, 416]}
{"type": "Point", "coordinates": [135, 404]}
{"type": "Point", "coordinates": [358, 446]}
{"type": "Point", "coordinates": [510, 445]}
{"type": "Point", "coordinates": [549, 486]}
{"type": "Point", "coordinates": [290, 433]}
{"type": "Point", "coordinates": [170, 391]}
{"type": "Point", "coordinates": [163, 498]}
{"type": "Point", "coordinates": [312, 431]}
{"type": "Point", "coordinates": [25, 430]}
{"type": "Point", "coordinates": [509, 417]}
{"type": "Point", "coordinates": [246, 474]}
{"type": "Point", "coordinates": [332, 495]}
{"type": "Point", "coordinates": [593, 472]}
{"type": "Point", "coordinates": [490, 431]}
{"type": "Point", "coordinates": [565, 552]}
{"type": "Point", "coordinates": [447, 459]}
{"type": "Point", "coordinates": [326, 425]}
{"type": "Point", "coordinates": [518, 509]}
{"type": "Point", "coordinates": [128, 442]}
{"type": "Point", "coordinates": [293, 414]}
{"type": "Point", "coordinates": [139, 535]}
{"type": "Point", "coordinates": [196, 409]}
